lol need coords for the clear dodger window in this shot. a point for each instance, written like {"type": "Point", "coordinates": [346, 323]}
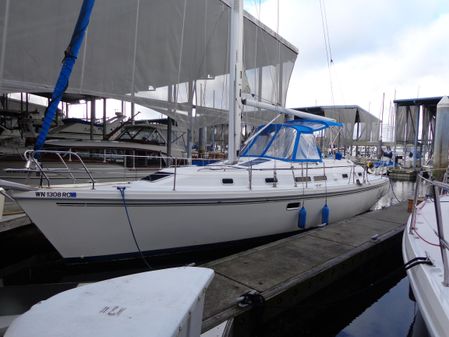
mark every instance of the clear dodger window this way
{"type": "Point", "coordinates": [260, 143]}
{"type": "Point", "coordinates": [307, 149]}
{"type": "Point", "coordinates": [283, 144]}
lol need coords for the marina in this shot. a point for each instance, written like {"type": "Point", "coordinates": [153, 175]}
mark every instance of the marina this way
{"type": "Point", "coordinates": [164, 171]}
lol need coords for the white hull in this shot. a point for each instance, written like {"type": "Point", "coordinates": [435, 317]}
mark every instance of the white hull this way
{"type": "Point", "coordinates": [431, 295]}
{"type": "Point", "coordinates": [94, 223]}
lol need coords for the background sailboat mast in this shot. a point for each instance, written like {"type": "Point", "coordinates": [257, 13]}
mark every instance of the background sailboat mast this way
{"type": "Point", "coordinates": [235, 79]}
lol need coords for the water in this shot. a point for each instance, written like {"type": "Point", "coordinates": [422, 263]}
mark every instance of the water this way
{"type": "Point", "coordinates": [397, 191]}
{"type": "Point", "coordinates": [372, 301]}
{"type": "Point", "coordinates": [391, 315]}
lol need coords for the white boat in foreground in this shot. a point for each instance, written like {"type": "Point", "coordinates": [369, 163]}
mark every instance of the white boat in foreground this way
{"type": "Point", "coordinates": [425, 253]}
{"type": "Point", "coordinates": [162, 303]}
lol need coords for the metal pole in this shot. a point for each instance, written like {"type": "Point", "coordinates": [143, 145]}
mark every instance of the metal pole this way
{"type": "Point", "coordinates": [250, 176]}
{"type": "Point", "coordinates": [174, 176]}
{"type": "Point", "coordinates": [132, 113]}
{"type": "Point", "coordinates": [92, 117]}
{"type": "Point", "coordinates": [415, 198]}
{"type": "Point", "coordinates": [190, 128]}
{"type": "Point", "coordinates": [357, 139]}
{"type": "Point", "coordinates": [416, 129]}
{"type": "Point", "coordinates": [441, 139]}
{"type": "Point", "coordinates": [235, 79]}
{"type": "Point", "coordinates": [169, 137]}
{"type": "Point", "coordinates": [169, 120]}
{"type": "Point", "coordinates": [436, 192]}
{"type": "Point", "coordinates": [104, 118]}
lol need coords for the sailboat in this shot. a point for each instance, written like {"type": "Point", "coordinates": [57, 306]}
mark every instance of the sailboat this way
{"type": "Point", "coordinates": [278, 183]}
{"type": "Point", "coordinates": [424, 250]}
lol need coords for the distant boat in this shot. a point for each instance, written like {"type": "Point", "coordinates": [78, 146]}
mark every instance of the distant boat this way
{"type": "Point", "coordinates": [77, 128]}
{"type": "Point", "coordinates": [162, 303]}
{"type": "Point", "coordinates": [425, 252]}
{"type": "Point", "coordinates": [143, 138]}
{"type": "Point", "coordinates": [132, 152]}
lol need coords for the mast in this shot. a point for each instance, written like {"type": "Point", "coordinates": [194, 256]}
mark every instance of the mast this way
{"type": "Point", "coordinates": [235, 79]}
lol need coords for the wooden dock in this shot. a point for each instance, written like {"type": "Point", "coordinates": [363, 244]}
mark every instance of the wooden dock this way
{"type": "Point", "coordinates": [284, 272]}
{"type": "Point", "coordinates": [8, 222]}
{"type": "Point", "coordinates": [13, 217]}
{"type": "Point", "coordinates": [402, 174]}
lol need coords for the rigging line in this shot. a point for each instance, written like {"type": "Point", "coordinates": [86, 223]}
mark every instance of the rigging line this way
{"type": "Point", "coordinates": [207, 41]}
{"type": "Point", "coordinates": [257, 6]}
{"type": "Point", "coordinates": [324, 34]}
{"type": "Point", "coordinates": [278, 73]}
{"type": "Point", "coordinates": [258, 10]}
{"type": "Point", "coordinates": [181, 48]}
{"type": "Point", "coordinates": [265, 50]}
{"type": "Point", "coordinates": [133, 72]}
{"type": "Point", "coordinates": [121, 189]}
{"type": "Point", "coordinates": [331, 59]}
{"type": "Point", "coordinates": [326, 38]}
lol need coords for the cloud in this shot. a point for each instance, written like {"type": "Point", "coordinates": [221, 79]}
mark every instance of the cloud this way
{"type": "Point", "coordinates": [378, 46]}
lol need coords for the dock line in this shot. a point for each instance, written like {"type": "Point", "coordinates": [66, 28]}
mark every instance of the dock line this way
{"type": "Point", "coordinates": [121, 189]}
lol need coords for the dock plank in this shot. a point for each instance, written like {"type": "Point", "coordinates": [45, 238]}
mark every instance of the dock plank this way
{"type": "Point", "coordinates": [9, 222]}
{"type": "Point", "coordinates": [286, 259]}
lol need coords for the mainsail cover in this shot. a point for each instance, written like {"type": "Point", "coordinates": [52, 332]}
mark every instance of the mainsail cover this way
{"type": "Point", "coordinates": [166, 55]}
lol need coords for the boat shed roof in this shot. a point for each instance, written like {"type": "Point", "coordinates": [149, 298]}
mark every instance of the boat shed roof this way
{"type": "Point", "coordinates": [325, 110]}
{"type": "Point", "coordinates": [426, 101]}
{"type": "Point", "coordinates": [366, 132]}
{"type": "Point", "coordinates": [153, 53]}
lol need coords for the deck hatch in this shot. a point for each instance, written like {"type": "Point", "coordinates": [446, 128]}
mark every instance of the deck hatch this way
{"type": "Point", "coordinates": [157, 175]}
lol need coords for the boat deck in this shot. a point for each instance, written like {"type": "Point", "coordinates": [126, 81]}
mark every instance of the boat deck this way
{"type": "Point", "coordinates": [294, 268]}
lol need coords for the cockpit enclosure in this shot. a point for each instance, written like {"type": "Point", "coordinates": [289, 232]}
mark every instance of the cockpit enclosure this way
{"type": "Point", "coordinates": [291, 141]}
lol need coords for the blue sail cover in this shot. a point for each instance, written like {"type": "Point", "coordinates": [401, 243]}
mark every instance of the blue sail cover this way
{"type": "Point", "coordinates": [62, 83]}
{"type": "Point", "coordinates": [292, 141]}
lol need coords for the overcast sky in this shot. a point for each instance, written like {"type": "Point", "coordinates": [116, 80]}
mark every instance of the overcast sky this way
{"type": "Point", "coordinates": [377, 46]}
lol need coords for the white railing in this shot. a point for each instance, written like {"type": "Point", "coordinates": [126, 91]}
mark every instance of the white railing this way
{"type": "Point", "coordinates": [302, 173]}
{"type": "Point", "coordinates": [438, 188]}
{"type": "Point", "coordinates": [67, 160]}
{"type": "Point", "coordinates": [33, 164]}
{"type": "Point", "coordinates": [305, 179]}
